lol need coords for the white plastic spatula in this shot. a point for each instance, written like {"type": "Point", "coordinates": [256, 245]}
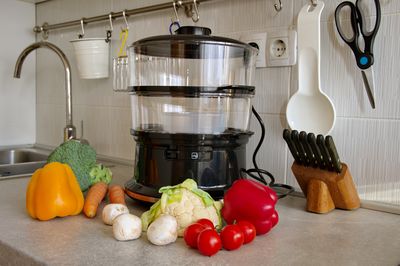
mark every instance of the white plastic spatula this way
{"type": "Point", "coordinates": [309, 109]}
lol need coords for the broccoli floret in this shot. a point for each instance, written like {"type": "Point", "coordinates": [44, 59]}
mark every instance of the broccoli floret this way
{"type": "Point", "coordinates": [80, 157]}
{"type": "Point", "coordinates": [100, 173]}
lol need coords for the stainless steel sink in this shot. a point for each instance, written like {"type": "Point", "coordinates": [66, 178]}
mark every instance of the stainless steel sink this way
{"type": "Point", "coordinates": [18, 162]}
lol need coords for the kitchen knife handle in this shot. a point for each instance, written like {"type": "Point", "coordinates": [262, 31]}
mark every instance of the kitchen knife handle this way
{"type": "Point", "coordinates": [302, 153]}
{"type": "Point", "coordinates": [324, 152]}
{"type": "Point", "coordinates": [292, 147]}
{"type": "Point", "coordinates": [330, 144]}
{"type": "Point", "coordinates": [318, 156]}
{"type": "Point", "coordinates": [307, 147]}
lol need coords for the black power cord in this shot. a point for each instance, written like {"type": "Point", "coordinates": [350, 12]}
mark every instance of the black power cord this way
{"type": "Point", "coordinates": [260, 172]}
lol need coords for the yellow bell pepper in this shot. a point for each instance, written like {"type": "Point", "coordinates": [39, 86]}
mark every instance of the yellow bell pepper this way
{"type": "Point", "coordinates": [53, 191]}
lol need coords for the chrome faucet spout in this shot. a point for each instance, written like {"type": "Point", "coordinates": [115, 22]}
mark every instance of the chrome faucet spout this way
{"type": "Point", "coordinates": [69, 130]}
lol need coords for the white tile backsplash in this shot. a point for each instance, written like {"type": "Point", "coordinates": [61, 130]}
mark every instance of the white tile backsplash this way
{"type": "Point", "coordinates": [50, 123]}
{"type": "Point", "coordinates": [272, 89]}
{"type": "Point", "coordinates": [52, 76]}
{"type": "Point", "coordinates": [96, 126]}
{"type": "Point", "coordinates": [366, 139]}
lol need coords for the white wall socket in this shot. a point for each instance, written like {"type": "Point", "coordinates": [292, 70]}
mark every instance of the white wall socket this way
{"type": "Point", "coordinates": [277, 48]}
{"type": "Point", "coordinates": [261, 40]}
{"type": "Point", "coordinates": [282, 48]}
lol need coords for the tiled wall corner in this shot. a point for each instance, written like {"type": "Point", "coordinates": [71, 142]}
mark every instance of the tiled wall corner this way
{"type": "Point", "coordinates": [17, 96]}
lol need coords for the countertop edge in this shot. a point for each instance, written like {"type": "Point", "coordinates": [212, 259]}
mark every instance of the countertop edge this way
{"type": "Point", "coordinates": [366, 204]}
{"type": "Point", "coordinates": [18, 256]}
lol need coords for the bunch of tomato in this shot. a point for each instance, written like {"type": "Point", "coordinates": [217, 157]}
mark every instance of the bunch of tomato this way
{"type": "Point", "coordinates": [203, 236]}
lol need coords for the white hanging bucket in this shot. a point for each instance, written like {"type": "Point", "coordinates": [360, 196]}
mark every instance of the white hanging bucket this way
{"type": "Point", "coordinates": [92, 57]}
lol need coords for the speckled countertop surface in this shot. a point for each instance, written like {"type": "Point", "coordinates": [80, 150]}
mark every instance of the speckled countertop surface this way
{"type": "Point", "coordinates": [361, 237]}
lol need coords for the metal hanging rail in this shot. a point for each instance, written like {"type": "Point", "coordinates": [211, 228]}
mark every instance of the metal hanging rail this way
{"type": "Point", "coordinates": [187, 4]}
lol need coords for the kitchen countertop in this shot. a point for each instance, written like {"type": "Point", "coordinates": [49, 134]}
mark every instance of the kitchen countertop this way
{"type": "Point", "coordinates": [361, 237]}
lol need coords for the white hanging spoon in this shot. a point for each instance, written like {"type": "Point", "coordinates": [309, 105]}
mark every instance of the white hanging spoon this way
{"type": "Point", "coordinates": [309, 109]}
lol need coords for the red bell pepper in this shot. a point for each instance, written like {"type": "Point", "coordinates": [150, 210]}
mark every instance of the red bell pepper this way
{"type": "Point", "coordinates": [251, 201]}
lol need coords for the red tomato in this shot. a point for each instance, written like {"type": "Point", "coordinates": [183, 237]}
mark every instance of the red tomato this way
{"type": "Point", "coordinates": [274, 218]}
{"type": "Point", "coordinates": [209, 242]}
{"type": "Point", "coordinates": [191, 234]}
{"type": "Point", "coordinates": [248, 229]}
{"type": "Point", "coordinates": [207, 223]}
{"type": "Point", "coordinates": [232, 237]}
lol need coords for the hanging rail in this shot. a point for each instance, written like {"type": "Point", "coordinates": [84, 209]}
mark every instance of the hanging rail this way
{"type": "Point", "coordinates": [183, 3]}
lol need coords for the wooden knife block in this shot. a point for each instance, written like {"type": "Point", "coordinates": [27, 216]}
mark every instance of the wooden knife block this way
{"type": "Point", "coordinates": [326, 190]}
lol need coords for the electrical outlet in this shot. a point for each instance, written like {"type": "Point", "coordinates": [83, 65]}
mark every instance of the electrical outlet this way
{"type": "Point", "coordinates": [276, 49]}
{"type": "Point", "coordinates": [281, 48]}
{"type": "Point", "coordinates": [260, 39]}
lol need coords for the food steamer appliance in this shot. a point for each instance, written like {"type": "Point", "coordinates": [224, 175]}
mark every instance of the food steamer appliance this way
{"type": "Point", "coordinates": [191, 105]}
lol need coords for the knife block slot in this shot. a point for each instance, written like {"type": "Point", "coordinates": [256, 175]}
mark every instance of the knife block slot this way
{"type": "Point", "coordinates": [326, 190]}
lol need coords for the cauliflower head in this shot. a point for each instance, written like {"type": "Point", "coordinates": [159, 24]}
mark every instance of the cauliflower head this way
{"type": "Point", "coordinates": [187, 204]}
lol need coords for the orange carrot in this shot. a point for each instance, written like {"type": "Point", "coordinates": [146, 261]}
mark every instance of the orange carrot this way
{"type": "Point", "coordinates": [116, 194]}
{"type": "Point", "coordinates": [94, 197]}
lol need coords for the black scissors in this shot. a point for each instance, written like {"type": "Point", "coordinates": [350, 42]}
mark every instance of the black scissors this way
{"type": "Point", "coordinates": [365, 59]}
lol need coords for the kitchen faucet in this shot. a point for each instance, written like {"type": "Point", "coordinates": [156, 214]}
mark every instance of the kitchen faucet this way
{"type": "Point", "coordinates": [69, 130]}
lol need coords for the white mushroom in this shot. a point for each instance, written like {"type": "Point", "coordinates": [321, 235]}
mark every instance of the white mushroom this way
{"type": "Point", "coordinates": [163, 230]}
{"type": "Point", "coordinates": [127, 227]}
{"type": "Point", "coordinates": [111, 211]}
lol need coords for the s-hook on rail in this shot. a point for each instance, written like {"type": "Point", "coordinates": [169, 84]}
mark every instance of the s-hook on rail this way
{"type": "Point", "coordinates": [190, 7]}
{"type": "Point", "coordinates": [278, 6]}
